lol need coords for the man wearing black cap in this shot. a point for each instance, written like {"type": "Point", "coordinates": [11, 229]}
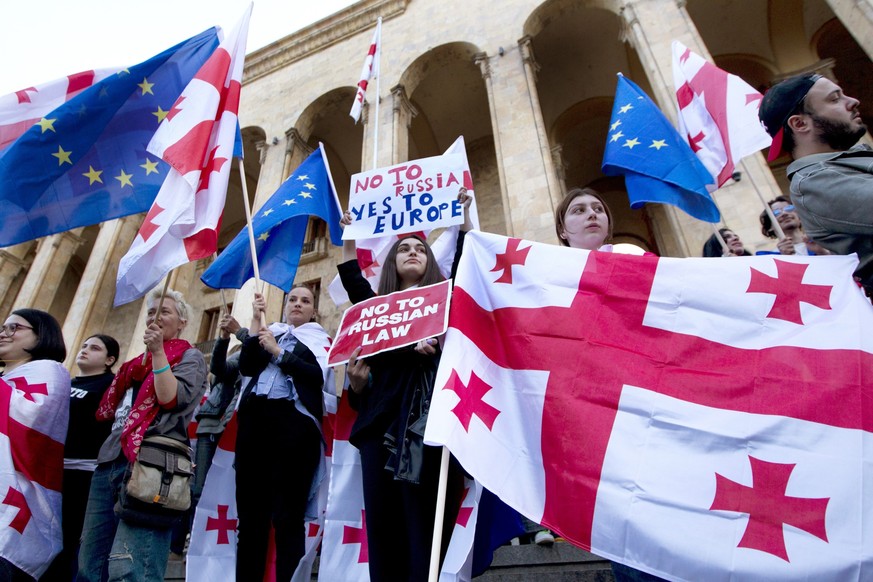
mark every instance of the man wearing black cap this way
{"type": "Point", "coordinates": [831, 176]}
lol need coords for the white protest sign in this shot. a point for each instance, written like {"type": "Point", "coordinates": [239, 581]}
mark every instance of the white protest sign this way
{"type": "Point", "coordinates": [419, 195]}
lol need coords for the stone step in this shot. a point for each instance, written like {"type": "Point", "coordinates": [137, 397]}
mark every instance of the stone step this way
{"type": "Point", "coordinates": [562, 562]}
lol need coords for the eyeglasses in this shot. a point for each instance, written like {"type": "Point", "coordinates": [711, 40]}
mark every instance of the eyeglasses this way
{"type": "Point", "coordinates": [10, 328]}
{"type": "Point", "coordinates": [778, 211]}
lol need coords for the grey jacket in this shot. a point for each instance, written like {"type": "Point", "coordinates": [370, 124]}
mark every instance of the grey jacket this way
{"type": "Point", "coordinates": [833, 194]}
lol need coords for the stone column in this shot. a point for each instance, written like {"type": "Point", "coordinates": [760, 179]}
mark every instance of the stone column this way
{"type": "Point", "coordinates": [857, 17]}
{"type": "Point", "coordinates": [12, 263]}
{"type": "Point", "coordinates": [481, 59]}
{"type": "Point", "coordinates": [524, 178]}
{"type": "Point", "coordinates": [531, 68]}
{"type": "Point", "coordinates": [49, 265]}
{"type": "Point", "coordinates": [99, 274]}
{"type": "Point", "coordinates": [296, 152]}
{"type": "Point", "coordinates": [403, 113]}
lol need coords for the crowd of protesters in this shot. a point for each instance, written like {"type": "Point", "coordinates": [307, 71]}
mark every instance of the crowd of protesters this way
{"type": "Point", "coordinates": [111, 418]}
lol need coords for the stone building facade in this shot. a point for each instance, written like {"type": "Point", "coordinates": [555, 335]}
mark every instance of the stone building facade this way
{"type": "Point", "coordinates": [528, 83]}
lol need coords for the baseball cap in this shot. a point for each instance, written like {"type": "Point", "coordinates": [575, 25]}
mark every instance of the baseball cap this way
{"type": "Point", "coordinates": [780, 103]}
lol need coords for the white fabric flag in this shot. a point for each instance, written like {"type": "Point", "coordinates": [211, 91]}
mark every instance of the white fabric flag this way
{"type": "Point", "coordinates": [692, 418]}
{"type": "Point", "coordinates": [34, 413]}
{"type": "Point", "coordinates": [198, 138]}
{"type": "Point", "coordinates": [718, 113]}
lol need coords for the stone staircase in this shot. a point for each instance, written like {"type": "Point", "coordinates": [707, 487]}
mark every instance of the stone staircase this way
{"type": "Point", "coordinates": [561, 562]}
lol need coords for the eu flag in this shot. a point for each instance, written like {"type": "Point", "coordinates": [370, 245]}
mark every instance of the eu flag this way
{"type": "Point", "coordinates": [86, 161]}
{"type": "Point", "coordinates": [657, 164]}
{"type": "Point", "coordinates": [279, 228]}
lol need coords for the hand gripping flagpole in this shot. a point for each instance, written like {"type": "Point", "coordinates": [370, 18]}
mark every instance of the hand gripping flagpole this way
{"type": "Point", "coordinates": [437, 543]}
{"type": "Point", "coordinates": [251, 231]}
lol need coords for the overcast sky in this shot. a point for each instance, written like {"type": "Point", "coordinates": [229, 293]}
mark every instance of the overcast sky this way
{"type": "Point", "coordinates": [42, 40]}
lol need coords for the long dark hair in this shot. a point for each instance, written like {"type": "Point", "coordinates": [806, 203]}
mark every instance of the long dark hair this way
{"type": "Point", "coordinates": [50, 340]}
{"type": "Point", "coordinates": [712, 246]}
{"type": "Point", "coordinates": [389, 281]}
{"type": "Point", "coordinates": [112, 348]}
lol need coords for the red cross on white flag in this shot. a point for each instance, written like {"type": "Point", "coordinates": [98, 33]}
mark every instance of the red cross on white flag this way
{"type": "Point", "coordinates": [368, 71]}
{"type": "Point", "coordinates": [718, 113]}
{"type": "Point", "coordinates": [34, 412]}
{"type": "Point", "coordinates": [631, 392]}
{"type": "Point", "coordinates": [198, 138]}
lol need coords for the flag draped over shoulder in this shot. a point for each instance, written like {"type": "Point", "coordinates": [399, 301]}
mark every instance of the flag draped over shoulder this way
{"type": "Point", "coordinates": [372, 252]}
{"type": "Point", "coordinates": [718, 113]}
{"type": "Point", "coordinates": [279, 228]}
{"type": "Point", "coordinates": [368, 71]}
{"type": "Point", "coordinates": [198, 138]}
{"type": "Point", "coordinates": [212, 551]}
{"type": "Point", "coordinates": [728, 399]}
{"type": "Point", "coordinates": [34, 411]}
{"type": "Point", "coordinates": [78, 155]}
{"type": "Point", "coordinates": [657, 164]}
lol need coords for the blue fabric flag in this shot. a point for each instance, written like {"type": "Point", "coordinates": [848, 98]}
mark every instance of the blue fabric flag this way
{"type": "Point", "coordinates": [658, 165]}
{"type": "Point", "coordinates": [279, 228]}
{"type": "Point", "coordinates": [89, 163]}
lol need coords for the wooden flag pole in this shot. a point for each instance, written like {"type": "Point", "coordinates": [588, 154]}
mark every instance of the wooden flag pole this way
{"type": "Point", "coordinates": [436, 546]}
{"type": "Point", "coordinates": [145, 354]}
{"type": "Point", "coordinates": [776, 228]}
{"type": "Point", "coordinates": [245, 191]}
{"type": "Point", "coordinates": [724, 247]}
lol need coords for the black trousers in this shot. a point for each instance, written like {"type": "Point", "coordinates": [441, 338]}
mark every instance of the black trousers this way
{"type": "Point", "coordinates": [277, 452]}
{"type": "Point", "coordinates": [400, 515]}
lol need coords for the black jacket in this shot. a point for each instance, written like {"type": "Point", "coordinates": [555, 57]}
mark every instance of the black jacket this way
{"type": "Point", "coordinates": [300, 364]}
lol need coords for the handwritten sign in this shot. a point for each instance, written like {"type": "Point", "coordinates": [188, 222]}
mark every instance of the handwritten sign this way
{"type": "Point", "coordinates": [409, 197]}
{"type": "Point", "coordinates": [391, 321]}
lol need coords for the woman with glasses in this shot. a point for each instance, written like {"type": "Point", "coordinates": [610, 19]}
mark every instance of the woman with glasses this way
{"type": "Point", "coordinates": [35, 397]}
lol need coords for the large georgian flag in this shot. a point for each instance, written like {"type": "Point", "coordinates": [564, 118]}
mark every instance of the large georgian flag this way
{"type": "Point", "coordinates": [198, 138]}
{"type": "Point", "coordinates": [698, 419]}
{"type": "Point", "coordinates": [34, 412]}
{"type": "Point", "coordinates": [718, 113]}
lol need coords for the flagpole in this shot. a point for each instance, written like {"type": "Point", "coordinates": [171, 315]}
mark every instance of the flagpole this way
{"type": "Point", "coordinates": [767, 209]}
{"type": "Point", "coordinates": [436, 545]}
{"type": "Point", "coordinates": [724, 247]}
{"type": "Point", "coordinates": [377, 66]}
{"type": "Point", "coordinates": [245, 191]}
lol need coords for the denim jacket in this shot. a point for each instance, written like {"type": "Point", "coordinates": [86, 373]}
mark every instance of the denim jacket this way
{"type": "Point", "coordinates": [833, 194]}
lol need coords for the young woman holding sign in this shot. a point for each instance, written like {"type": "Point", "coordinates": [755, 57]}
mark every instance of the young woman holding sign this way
{"type": "Point", "coordinates": [391, 392]}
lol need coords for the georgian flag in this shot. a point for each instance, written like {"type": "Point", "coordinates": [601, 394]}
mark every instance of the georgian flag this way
{"type": "Point", "coordinates": [718, 113]}
{"type": "Point", "coordinates": [34, 412]}
{"type": "Point", "coordinates": [344, 546]}
{"type": "Point", "coordinates": [368, 71]}
{"type": "Point", "coordinates": [198, 138]}
{"type": "Point", "coordinates": [693, 418]}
